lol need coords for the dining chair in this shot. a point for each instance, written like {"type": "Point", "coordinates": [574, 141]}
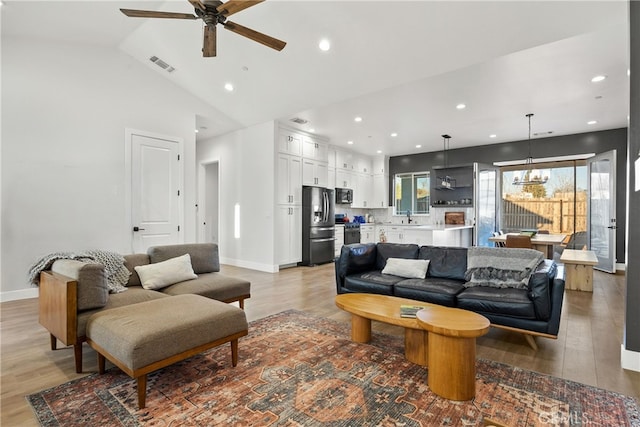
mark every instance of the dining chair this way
{"type": "Point", "coordinates": [518, 241]}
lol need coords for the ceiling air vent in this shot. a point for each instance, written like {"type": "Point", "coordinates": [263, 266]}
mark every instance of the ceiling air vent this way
{"type": "Point", "coordinates": [160, 63]}
{"type": "Point", "coordinates": [299, 121]}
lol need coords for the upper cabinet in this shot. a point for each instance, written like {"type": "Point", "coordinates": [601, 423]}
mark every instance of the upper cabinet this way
{"type": "Point", "coordinates": [345, 160]}
{"type": "Point", "coordinates": [290, 142]}
{"type": "Point", "coordinates": [363, 164]}
{"type": "Point", "coordinates": [452, 186]}
{"type": "Point", "coordinates": [314, 149]}
{"type": "Point", "coordinates": [380, 165]}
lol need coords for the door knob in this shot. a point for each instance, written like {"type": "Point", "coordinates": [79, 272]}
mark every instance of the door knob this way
{"type": "Point", "coordinates": [137, 229]}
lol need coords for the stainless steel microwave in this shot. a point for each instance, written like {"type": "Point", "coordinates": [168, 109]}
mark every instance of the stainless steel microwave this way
{"type": "Point", "coordinates": [344, 196]}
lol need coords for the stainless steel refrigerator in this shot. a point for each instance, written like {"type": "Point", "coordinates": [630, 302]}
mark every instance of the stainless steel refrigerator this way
{"type": "Point", "coordinates": [318, 225]}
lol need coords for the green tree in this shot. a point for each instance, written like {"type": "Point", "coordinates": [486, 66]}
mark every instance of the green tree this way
{"type": "Point", "coordinates": [537, 190]}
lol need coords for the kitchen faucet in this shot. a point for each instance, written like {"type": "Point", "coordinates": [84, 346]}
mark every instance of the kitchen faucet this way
{"type": "Point", "coordinates": [409, 217]}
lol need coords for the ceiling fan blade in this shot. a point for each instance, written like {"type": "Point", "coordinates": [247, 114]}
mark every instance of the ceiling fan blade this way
{"type": "Point", "coordinates": [255, 35]}
{"type": "Point", "coordinates": [197, 4]}
{"type": "Point", "coordinates": [154, 14]}
{"type": "Point", "coordinates": [235, 6]}
{"type": "Point", "coordinates": [209, 43]}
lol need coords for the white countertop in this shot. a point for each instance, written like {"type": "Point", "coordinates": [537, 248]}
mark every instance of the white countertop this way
{"type": "Point", "coordinates": [441, 227]}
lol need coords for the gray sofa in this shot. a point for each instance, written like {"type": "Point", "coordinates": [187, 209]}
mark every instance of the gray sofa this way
{"type": "Point", "coordinates": [72, 291]}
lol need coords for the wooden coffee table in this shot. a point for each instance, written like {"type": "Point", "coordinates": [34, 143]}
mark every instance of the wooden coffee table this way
{"type": "Point", "coordinates": [452, 349]}
{"type": "Point", "coordinates": [578, 265]}
{"type": "Point", "coordinates": [386, 309]}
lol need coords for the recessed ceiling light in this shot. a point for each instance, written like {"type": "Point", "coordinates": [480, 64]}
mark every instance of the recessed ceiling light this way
{"type": "Point", "coordinates": [461, 106]}
{"type": "Point", "coordinates": [312, 130]}
{"type": "Point", "coordinates": [592, 122]}
{"type": "Point", "coordinates": [228, 87]}
{"type": "Point", "coordinates": [197, 130]}
{"type": "Point", "coordinates": [418, 146]}
{"type": "Point", "coordinates": [324, 45]}
{"type": "Point", "coordinates": [493, 135]}
{"type": "Point", "coordinates": [597, 79]}
{"type": "Point", "coordinates": [379, 151]}
{"type": "Point", "coordinates": [394, 135]}
{"type": "Point", "coordinates": [358, 119]}
{"type": "Point", "coordinates": [350, 142]}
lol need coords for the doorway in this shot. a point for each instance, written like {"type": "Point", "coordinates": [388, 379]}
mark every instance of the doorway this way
{"type": "Point", "coordinates": [209, 206]}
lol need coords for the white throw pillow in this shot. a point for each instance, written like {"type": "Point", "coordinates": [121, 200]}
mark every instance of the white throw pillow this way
{"type": "Point", "coordinates": [165, 273]}
{"type": "Point", "coordinates": [409, 268]}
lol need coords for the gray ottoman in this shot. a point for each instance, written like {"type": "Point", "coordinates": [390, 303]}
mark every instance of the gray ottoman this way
{"type": "Point", "coordinates": [141, 338]}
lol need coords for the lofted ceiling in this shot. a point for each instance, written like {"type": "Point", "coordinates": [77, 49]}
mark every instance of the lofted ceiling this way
{"type": "Point", "coordinates": [402, 66]}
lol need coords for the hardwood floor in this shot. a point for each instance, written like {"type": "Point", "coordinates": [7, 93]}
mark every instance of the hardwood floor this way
{"type": "Point", "coordinates": [587, 349]}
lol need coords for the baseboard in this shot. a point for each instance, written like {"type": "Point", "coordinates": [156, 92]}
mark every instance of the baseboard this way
{"type": "Point", "coordinates": [268, 268]}
{"type": "Point", "coordinates": [621, 267]}
{"type": "Point", "coordinates": [19, 294]}
{"type": "Point", "coordinates": [629, 360]}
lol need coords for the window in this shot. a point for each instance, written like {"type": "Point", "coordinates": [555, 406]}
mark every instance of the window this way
{"type": "Point", "coordinates": [557, 204]}
{"type": "Point", "coordinates": [412, 193]}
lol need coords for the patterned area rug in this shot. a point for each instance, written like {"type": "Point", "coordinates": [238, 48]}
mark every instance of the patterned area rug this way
{"type": "Point", "coordinates": [299, 370]}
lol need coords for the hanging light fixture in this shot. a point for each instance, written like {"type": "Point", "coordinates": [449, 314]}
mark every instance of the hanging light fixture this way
{"type": "Point", "coordinates": [445, 181]}
{"type": "Point", "coordinates": [531, 176]}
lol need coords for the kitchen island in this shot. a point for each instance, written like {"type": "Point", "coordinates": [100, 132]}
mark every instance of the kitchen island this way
{"type": "Point", "coordinates": [434, 235]}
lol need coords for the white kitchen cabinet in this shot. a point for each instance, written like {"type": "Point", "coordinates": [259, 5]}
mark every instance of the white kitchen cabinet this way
{"type": "Point", "coordinates": [345, 160]}
{"type": "Point", "coordinates": [379, 166]}
{"type": "Point", "coordinates": [362, 191]}
{"type": "Point", "coordinates": [368, 234]}
{"type": "Point", "coordinates": [331, 177]}
{"type": "Point", "coordinates": [289, 243]}
{"type": "Point", "coordinates": [289, 170]}
{"type": "Point", "coordinates": [315, 173]}
{"type": "Point", "coordinates": [314, 149]}
{"type": "Point", "coordinates": [408, 234]}
{"type": "Point", "coordinates": [339, 234]}
{"type": "Point", "coordinates": [289, 142]}
{"type": "Point", "coordinates": [379, 191]}
{"type": "Point", "coordinates": [394, 234]}
{"type": "Point", "coordinates": [363, 164]}
{"type": "Point", "coordinates": [344, 179]}
{"type": "Point", "coordinates": [332, 156]}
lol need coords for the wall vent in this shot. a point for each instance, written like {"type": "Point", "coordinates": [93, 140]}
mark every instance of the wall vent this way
{"type": "Point", "coordinates": [160, 63]}
{"type": "Point", "coordinates": [549, 132]}
{"type": "Point", "coordinates": [299, 121]}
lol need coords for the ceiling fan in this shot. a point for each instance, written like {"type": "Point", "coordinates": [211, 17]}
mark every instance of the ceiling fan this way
{"type": "Point", "coordinates": [214, 12]}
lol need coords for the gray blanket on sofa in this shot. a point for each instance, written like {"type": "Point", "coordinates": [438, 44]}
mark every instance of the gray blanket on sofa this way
{"type": "Point", "coordinates": [501, 267]}
{"type": "Point", "coordinates": [116, 273]}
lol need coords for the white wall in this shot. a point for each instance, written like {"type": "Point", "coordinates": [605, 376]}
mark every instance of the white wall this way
{"type": "Point", "coordinates": [64, 113]}
{"type": "Point", "coordinates": [247, 177]}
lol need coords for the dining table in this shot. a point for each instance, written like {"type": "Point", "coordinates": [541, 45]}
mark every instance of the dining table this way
{"type": "Point", "coordinates": [539, 241]}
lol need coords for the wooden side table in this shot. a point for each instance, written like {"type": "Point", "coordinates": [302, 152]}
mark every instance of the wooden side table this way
{"type": "Point", "coordinates": [452, 349]}
{"type": "Point", "coordinates": [578, 266]}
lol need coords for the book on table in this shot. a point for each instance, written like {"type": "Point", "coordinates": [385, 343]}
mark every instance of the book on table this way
{"type": "Point", "coordinates": [407, 310]}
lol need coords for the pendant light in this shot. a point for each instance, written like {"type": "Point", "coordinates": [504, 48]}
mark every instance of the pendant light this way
{"type": "Point", "coordinates": [531, 176]}
{"type": "Point", "coordinates": [446, 181]}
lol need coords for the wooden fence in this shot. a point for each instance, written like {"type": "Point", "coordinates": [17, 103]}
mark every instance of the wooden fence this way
{"type": "Point", "coordinates": [557, 214]}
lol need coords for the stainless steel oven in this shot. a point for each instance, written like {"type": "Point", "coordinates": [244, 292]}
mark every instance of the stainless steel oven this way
{"type": "Point", "coordinates": [351, 233]}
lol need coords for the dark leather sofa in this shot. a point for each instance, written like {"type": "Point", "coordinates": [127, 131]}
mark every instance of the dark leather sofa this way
{"type": "Point", "coordinates": [533, 311]}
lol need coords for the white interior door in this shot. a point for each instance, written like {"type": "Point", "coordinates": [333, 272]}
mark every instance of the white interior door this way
{"type": "Point", "coordinates": [156, 189]}
{"type": "Point", "coordinates": [601, 233]}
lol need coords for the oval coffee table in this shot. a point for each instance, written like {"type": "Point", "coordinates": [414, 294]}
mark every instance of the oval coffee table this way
{"type": "Point", "coordinates": [452, 349]}
{"type": "Point", "coordinates": [386, 308]}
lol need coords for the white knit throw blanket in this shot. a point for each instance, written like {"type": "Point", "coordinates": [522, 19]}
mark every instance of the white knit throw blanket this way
{"type": "Point", "coordinates": [116, 273]}
{"type": "Point", "coordinates": [501, 267]}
